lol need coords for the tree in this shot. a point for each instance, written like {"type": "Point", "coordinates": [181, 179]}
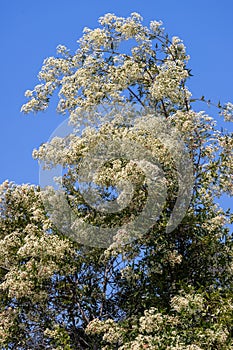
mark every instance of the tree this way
{"type": "Point", "coordinates": [79, 270]}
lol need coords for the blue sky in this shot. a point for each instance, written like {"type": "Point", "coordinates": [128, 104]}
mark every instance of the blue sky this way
{"type": "Point", "coordinates": [31, 30]}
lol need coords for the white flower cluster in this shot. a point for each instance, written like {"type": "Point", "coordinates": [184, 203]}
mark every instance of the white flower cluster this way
{"type": "Point", "coordinates": [157, 330]}
{"type": "Point", "coordinates": [98, 73]}
{"type": "Point", "coordinates": [29, 252]}
{"type": "Point", "coordinates": [168, 83]}
{"type": "Point", "coordinates": [7, 319]}
{"type": "Point", "coordinates": [227, 112]}
{"type": "Point", "coordinates": [153, 321]}
{"type": "Point", "coordinates": [190, 303]}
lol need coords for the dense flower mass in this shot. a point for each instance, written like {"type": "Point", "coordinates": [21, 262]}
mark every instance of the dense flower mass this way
{"type": "Point", "coordinates": [98, 72]}
{"type": "Point", "coordinates": [160, 289]}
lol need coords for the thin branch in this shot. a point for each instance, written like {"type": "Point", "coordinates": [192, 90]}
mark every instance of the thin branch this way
{"type": "Point", "coordinates": [135, 95]}
{"type": "Point", "coordinates": [105, 283]}
{"type": "Point", "coordinates": [4, 268]}
{"type": "Point", "coordinates": [164, 109]}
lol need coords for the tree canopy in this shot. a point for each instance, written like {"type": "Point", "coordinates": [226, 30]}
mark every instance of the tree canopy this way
{"type": "Point", "coordinates": [133, 250]}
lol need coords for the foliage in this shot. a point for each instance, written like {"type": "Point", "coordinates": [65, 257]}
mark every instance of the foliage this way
{"type": "Point", "coordinates": [161, 289]}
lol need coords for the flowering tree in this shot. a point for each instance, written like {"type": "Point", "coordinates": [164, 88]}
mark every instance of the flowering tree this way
{"type": "Point", "coordinates": [78, 269]}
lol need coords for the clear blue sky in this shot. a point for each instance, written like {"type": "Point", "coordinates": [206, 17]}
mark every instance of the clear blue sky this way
{"type": "Point", "coordinates": [31, 30]}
